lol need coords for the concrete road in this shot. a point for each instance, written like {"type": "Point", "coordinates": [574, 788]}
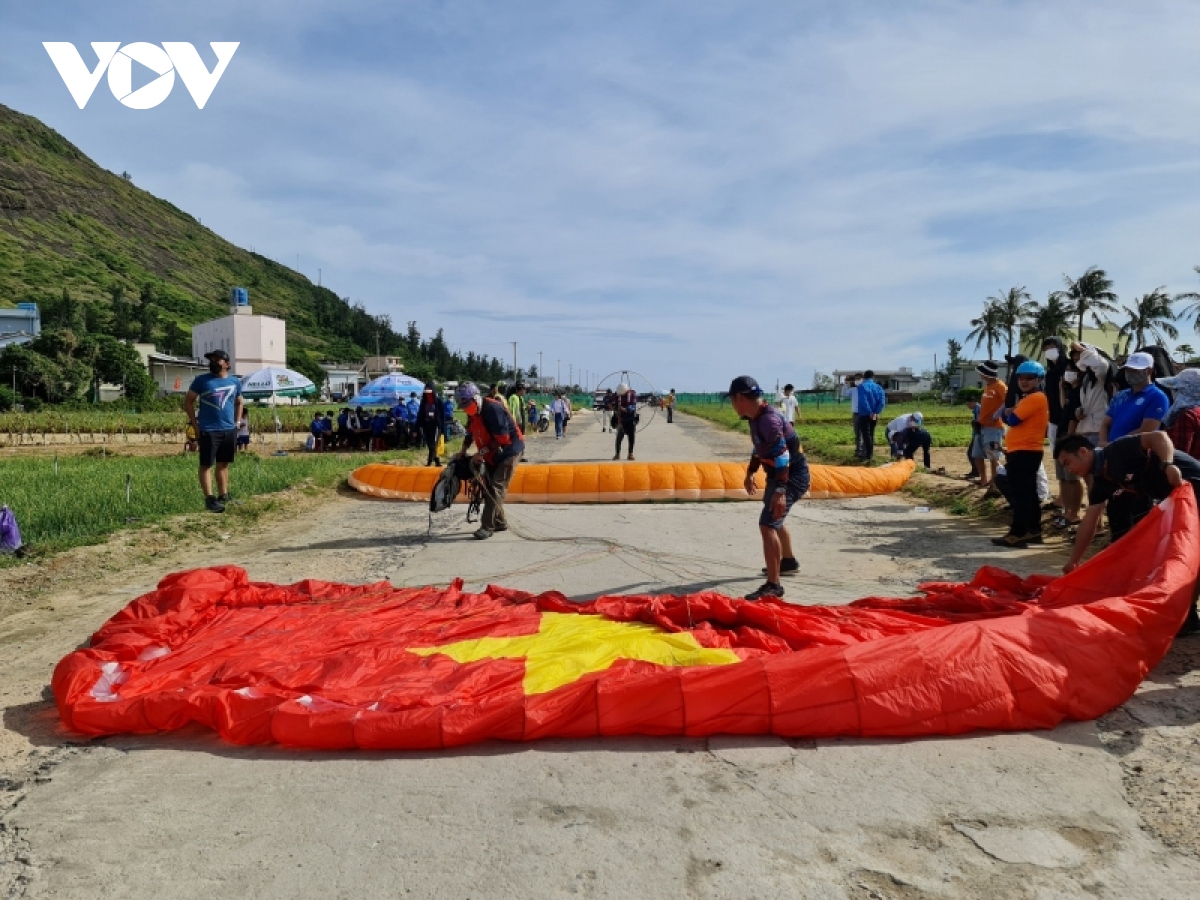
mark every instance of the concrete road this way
{"type": "Point", "coordinates": [183, 815]}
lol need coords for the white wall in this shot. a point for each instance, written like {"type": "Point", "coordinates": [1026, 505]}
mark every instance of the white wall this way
{"type": "Point", "coordinates": [252, 342]}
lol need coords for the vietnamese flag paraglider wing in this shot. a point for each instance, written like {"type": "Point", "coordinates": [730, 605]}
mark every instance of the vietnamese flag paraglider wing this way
{"type": "Point", "coordinates": [325, 665]}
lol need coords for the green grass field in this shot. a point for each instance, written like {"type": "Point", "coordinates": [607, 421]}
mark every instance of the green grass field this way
{"type": "Point", "coordinates": [81, 499]}
{"type": "Point", "coordinates": [828, 437]}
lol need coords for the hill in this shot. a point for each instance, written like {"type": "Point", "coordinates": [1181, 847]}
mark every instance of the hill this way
{"type": "Point", "coordinates": [102, 255]}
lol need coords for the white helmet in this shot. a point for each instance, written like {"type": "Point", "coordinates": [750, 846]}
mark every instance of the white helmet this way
{"type": "Point", "coordinates": [466, 392]}
{"type": "Point", "coordinates": [622, 388]}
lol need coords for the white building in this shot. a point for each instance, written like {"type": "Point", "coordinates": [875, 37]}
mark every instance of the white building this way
{"type": "Point", "coordinates": [344, 379]}
{"type": "Point", "coordinates": [19, 325]}
{"type": "Point", "coordinates": [252, 342]}
{"type": "Point", "coordinates": [901, 379]}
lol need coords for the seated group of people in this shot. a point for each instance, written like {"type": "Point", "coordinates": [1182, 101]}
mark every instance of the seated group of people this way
{"type": "Point", "coordinates": [379, 429]}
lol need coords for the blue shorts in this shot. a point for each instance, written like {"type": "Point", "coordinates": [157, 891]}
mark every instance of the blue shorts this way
{"type": "Point", "coordinates": [797, 487]}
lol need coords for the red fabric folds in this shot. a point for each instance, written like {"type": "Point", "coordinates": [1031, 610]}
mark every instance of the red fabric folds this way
{"type": "Point", "coordinates": [332, 666]}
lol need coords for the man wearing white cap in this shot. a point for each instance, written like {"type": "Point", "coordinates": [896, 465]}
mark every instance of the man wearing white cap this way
{"type": "Point", "coordinates": [1138, 409]}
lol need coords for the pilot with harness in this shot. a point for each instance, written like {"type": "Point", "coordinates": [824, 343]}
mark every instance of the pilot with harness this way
{"type": "Point", "coordinates": [499, 444]}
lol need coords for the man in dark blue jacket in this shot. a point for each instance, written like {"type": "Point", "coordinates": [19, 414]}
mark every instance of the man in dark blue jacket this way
{"type": "Point", "coordinates": [871, 402]}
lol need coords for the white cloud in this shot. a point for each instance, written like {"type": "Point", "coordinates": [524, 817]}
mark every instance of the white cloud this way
{"type": "Point", "coordinates": [687, 192]}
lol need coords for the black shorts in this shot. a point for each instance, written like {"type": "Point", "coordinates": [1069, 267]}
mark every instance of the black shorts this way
{"type": "Point", "coordinates": [797, 487]}
{"type": "Point", "coordinates": [218, 446]}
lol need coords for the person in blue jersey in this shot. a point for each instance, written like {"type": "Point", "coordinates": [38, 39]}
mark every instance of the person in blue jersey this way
{"type": "Point", "coordinates": [1139, 409]}
{"type": "Point", "coordinates": [871, 403]}
{"type": "Point", "coordinates": [776, 449]}
{"type": "Point", "coordinates": [214, 406]}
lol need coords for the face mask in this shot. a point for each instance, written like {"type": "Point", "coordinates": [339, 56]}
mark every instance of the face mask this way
{"type": "Point", "coordinates": [1137, 377]}
{"type": "Point", "coordinates": [1051, 355]}
{"type": "Point", "coordinates": [214, 367]}
{"type": "Point", "coordinates": [1070, 377]}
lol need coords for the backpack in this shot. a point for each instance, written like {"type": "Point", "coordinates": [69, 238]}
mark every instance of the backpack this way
{"type": "Point", "coordinates": [449, 483]}
{"type": "Point", "coordinates": [10, 534]}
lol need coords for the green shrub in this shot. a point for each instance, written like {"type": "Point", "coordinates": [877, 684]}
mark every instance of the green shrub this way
{"type": "Point", "coordinates": [8, 399]}
{"type": "Point", "coordinates": [965, 394]}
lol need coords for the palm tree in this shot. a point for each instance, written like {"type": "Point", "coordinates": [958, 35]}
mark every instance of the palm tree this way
{"type": "Point", "coordinates": [987, 328]}
{"type": "Point", "coordinates": [1194, 309]}
{"type": "Point", "coordinates": [1151, 314]}
{"type": "Point", "coordinates": [1091, 293]}
{"type": "Point", "coordinates": [1185, 353]}
{"type": "Point", "coordinates": [1014, 307]}
{"type": "Point", "coordinates": [1050, 321]}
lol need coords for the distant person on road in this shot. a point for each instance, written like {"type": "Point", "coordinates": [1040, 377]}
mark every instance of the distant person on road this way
{"type": "Point", "coordinates": [608, 421]}
{"type": "Point", "coordinates": [559, 409]}
{"type": "Point", "coordinates": [431, 419]}
{"type": "Point", "coordinates": [627, 418]}
{"type": "Point", "coordinates": [669, 403]}
{"type": "Point", "coordinates": [500, 443]}
{"type": "Point", "coordinates": [776, 449]}
{"type": "Point", "coordinates": [789, 405]}
{"type": "Point", "coordinates": [871, 403]}
{"type": "Point", "coordinates": [214, 405]}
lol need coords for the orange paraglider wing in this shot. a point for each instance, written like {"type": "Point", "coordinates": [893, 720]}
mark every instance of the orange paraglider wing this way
{"type": "Point", "coordinates": [633, 482]}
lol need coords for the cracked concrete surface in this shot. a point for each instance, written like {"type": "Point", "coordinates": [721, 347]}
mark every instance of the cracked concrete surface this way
{"type": "Point", "coordinates": [182, 815]}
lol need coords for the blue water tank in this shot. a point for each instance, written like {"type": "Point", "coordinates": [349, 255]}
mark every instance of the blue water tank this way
{"type": "Point", "coordinates": [240, 297]}
{"type": "Point", "coordinates": [30, 306]}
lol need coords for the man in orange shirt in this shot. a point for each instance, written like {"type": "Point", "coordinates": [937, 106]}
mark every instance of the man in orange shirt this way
{"type": "Point", "coordinates": [1027, 422]}
{"type": "Point", "coordinates": [991, 427]}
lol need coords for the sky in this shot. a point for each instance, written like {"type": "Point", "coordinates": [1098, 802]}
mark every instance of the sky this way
{"type": "Point", "coordinates": [689, 191]}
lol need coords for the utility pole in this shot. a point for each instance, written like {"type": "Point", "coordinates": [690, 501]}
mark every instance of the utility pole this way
{"type": "Point", "coordinates": [515, 378]}
{"type": "Point", "coordinates": [571, 373]}
{"type": "Point", "coordinates": [541, 372]}
{"type": "Point", "coordinates": [318, 277]}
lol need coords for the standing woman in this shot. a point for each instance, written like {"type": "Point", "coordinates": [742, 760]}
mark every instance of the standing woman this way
{"type": "Point", "coordinates": [1027, 423]}
{"type": "Point", "coordinates": [559, 409]}
{"type": "Point", "coordinates": [431, 419]}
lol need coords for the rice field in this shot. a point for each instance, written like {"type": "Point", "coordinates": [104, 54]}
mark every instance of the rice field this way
{"type": "Point", "coordinates": [827, 434]}
{"type": "Point", "coordinates": [81, 499]}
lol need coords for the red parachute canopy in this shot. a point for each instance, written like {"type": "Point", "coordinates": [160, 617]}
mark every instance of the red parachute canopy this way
{"type": "Point", "coordinates": [336, 666]}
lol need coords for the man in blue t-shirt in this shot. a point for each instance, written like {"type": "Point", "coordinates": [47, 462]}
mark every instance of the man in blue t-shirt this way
{"type": "Point", "coordinates": [214, 406]}
{"type": "Point", "coordinates": [1139, 409]}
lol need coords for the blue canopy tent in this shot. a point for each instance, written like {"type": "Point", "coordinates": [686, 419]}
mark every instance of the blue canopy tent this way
{"type": "Point", "coordinates": [386, 390]}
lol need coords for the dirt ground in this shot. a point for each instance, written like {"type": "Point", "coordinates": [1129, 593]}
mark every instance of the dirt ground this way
{"type": "Point", "coordinates": [1103, 808]}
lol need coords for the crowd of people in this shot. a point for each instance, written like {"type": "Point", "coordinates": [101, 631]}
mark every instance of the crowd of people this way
{"type": "Point", "coordinates": [415, 422]}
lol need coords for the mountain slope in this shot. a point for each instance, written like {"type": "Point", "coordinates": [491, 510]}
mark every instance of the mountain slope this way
{"type": "Point", "coordinates": [65, 222]}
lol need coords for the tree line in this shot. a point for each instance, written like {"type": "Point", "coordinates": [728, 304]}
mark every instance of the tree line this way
{"type": "Point", "coordinates": [1013, 318]}
{"type": "Point", "coordinates": [86, 343]}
